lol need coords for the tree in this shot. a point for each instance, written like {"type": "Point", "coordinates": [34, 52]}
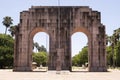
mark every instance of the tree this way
{"type": "Point", "coordinates": [12, 30]}
{"type": "Point", "coordinates": [113, 41]}
{"type": "Point", "coordinates": [7, 21]}
{"type": "Point", "coordinates": [84, 56]}
{"type": "Point", "coordinates": [36, 45]}
{"type": "Point", "coordinates": [117, 54]}
{"type": "Point", "coordinates": [109, 56]}
{"type": "Point", "coordinates": [81, 58]}
{"type": "Point", "coordinates": [117, 34]}
{"type": "Point", "coordinates": [117, 46]}
{"type": "Point", "coordinates": [40, 58]}
{"type": "Point", "coordinates": [39, 48]}
{"type": "Point", "coordinates": [42, 48]}
{"type": "Point", "coordinates": [75, 60]}
{"type": "Point", "coordinates": [6, 51]}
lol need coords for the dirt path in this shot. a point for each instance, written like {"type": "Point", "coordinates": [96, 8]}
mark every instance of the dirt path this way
{"type": "Point", "coordinates": [63, 75]}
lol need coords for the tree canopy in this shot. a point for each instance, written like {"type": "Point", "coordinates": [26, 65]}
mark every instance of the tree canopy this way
{"type": "Point", "coordinates": [7, 21]}
{"type": "Point", "coordinates": [40, 58]}
{"type": "Point", "coordinates": [6, 51]}
{"type": "Point", "coordinates": [39, 48]}
{"type": "Point", "coordinates": [113, 49]}
{"type": "Point", "coordinates": [81, 58]}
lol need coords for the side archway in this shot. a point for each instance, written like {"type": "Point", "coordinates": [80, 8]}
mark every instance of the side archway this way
{"type": "Point", "coordinates": [31, 36]}
{"type": "Point", "coordinates": [88, 35]}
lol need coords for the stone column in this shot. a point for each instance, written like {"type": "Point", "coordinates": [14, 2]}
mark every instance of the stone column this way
{"type": "Point", "coordinates": [59, 61]}
{"type": "Point", "coordinates": [97, 54]}
{"type": "Point", "coordinates": [52, 53]}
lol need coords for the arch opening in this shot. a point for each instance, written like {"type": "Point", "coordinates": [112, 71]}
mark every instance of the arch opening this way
{"type": "Point", "coordinates": [40, 50]}
{"type": "Point", "coordinates": [79, 49]}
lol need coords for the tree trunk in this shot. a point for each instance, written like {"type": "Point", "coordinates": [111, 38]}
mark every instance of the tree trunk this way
{"type": "Point", "coordinates": [113, 56]}
{"type": "Point", "coordinates": [6, 31]}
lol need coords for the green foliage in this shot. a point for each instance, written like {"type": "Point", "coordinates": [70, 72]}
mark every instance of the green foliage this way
{"type": "Point", "coordinates": [7, 21]}
{"type": "Point", "coordinates": [42, 48]}
{"type": "Point", "coordinates": [113, 49]}
{"type": "Point", "coordinates": [84, 55]}
{"type": "Point", "coordinates": [113, 57]}
{"type": "Point", "coordinates": [40, 58]}
{"type": "Point", "coordinates": [75, 60]}
{"type": "Point", "coordinates": [117, 54]}
{"type": "Point", "coordinates": [6, 51]}
{"type": "Point", "coordinates": [109, 55]}
{"type": "Point", "coordinates": [39, 48]}
{"type": "Point", "coordinates": [12, 30]}
{"type": "Point", "coordinates": [81, 58]}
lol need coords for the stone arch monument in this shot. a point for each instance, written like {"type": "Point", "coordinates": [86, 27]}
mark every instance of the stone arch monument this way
{"type": "Point", "coordinates": [60, 23]}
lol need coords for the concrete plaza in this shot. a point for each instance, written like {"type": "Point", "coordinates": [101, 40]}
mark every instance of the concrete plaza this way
{"type": "Point", "coordinates": [63, 75]}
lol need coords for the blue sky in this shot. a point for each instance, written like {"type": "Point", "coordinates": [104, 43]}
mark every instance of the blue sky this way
{"type": "Point", "coordinates": [110, 12]}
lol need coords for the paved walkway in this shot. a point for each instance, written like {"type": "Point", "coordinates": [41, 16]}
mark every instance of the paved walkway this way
{"type": "Point", "coordinates": [63, 75]}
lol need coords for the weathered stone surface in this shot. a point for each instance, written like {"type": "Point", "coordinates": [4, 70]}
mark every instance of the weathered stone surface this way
{"type": "Point", "coordinates": [60, 23]}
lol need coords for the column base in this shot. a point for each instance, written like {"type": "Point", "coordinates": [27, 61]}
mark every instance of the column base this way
{"type": "Point", "coordinates": [49, 68]}
{"type": "Point", "coordinates": [97, 69]}
{"type": "Point", "coordinates": [22, 69]}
